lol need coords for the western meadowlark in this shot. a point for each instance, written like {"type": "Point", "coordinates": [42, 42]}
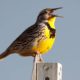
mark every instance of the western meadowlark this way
{"type": "Point", "coordinates": [38, 38]}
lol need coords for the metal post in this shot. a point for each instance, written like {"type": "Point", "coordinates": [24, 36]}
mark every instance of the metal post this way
{"type": "Point", "coordinates": [46, 71]}
{"type": "Point", "coordinates": [49, 71]}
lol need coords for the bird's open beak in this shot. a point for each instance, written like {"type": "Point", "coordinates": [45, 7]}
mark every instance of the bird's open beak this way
{"type": "Point", "coordinates": [55, 15]}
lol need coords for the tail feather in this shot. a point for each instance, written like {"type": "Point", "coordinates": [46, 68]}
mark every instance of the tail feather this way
{"type": "Point", "coordinates": [4, 54]}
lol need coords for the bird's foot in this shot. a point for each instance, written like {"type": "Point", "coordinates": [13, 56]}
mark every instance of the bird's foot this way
{"type": "Point", "coordinates": [38, 58]}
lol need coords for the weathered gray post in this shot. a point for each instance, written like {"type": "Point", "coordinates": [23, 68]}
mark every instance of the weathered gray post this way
{"type": "Point", "coordinates": [49, 71]}
{"type": "Point", "coordinates": [46, 71]}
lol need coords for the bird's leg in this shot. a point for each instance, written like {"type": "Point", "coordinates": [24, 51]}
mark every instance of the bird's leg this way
{"type": "Point", "coordinates": [38, 58]}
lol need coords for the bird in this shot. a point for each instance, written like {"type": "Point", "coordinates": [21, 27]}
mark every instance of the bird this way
{"type": "Point", "coordinates": [37, 39]}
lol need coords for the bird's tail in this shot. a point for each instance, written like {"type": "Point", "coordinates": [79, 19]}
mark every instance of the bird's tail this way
{"type": "Point", "coordinates": [4, 54]}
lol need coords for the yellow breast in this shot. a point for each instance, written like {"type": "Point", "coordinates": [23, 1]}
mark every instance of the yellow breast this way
{"type": "Point", "coordinates": [46, 44]}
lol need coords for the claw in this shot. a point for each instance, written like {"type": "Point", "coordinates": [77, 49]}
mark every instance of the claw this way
{"type": "Point", "coordinates": [38, 58]}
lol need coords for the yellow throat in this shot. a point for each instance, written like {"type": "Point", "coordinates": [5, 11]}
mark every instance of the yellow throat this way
{"type": "Point", "coordinates": [52, 22]}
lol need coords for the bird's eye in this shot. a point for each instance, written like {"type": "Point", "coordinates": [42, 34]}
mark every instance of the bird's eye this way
{"type": "Point", "coordinates": [42, 13]}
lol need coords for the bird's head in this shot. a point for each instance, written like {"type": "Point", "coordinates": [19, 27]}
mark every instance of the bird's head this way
{"type": "Point", "coordinates": [47, 14]}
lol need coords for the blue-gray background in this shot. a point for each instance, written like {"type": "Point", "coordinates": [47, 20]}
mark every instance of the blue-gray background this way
{"type": "Point", "coordinates": [17, 15]}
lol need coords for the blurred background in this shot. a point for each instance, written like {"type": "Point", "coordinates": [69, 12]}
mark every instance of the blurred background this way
{"type": "Point", "coordinates": [17, 15]}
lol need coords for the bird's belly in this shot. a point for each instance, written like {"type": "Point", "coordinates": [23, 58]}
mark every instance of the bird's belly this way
{"type": "Point", "coordinates": [44, 45]}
